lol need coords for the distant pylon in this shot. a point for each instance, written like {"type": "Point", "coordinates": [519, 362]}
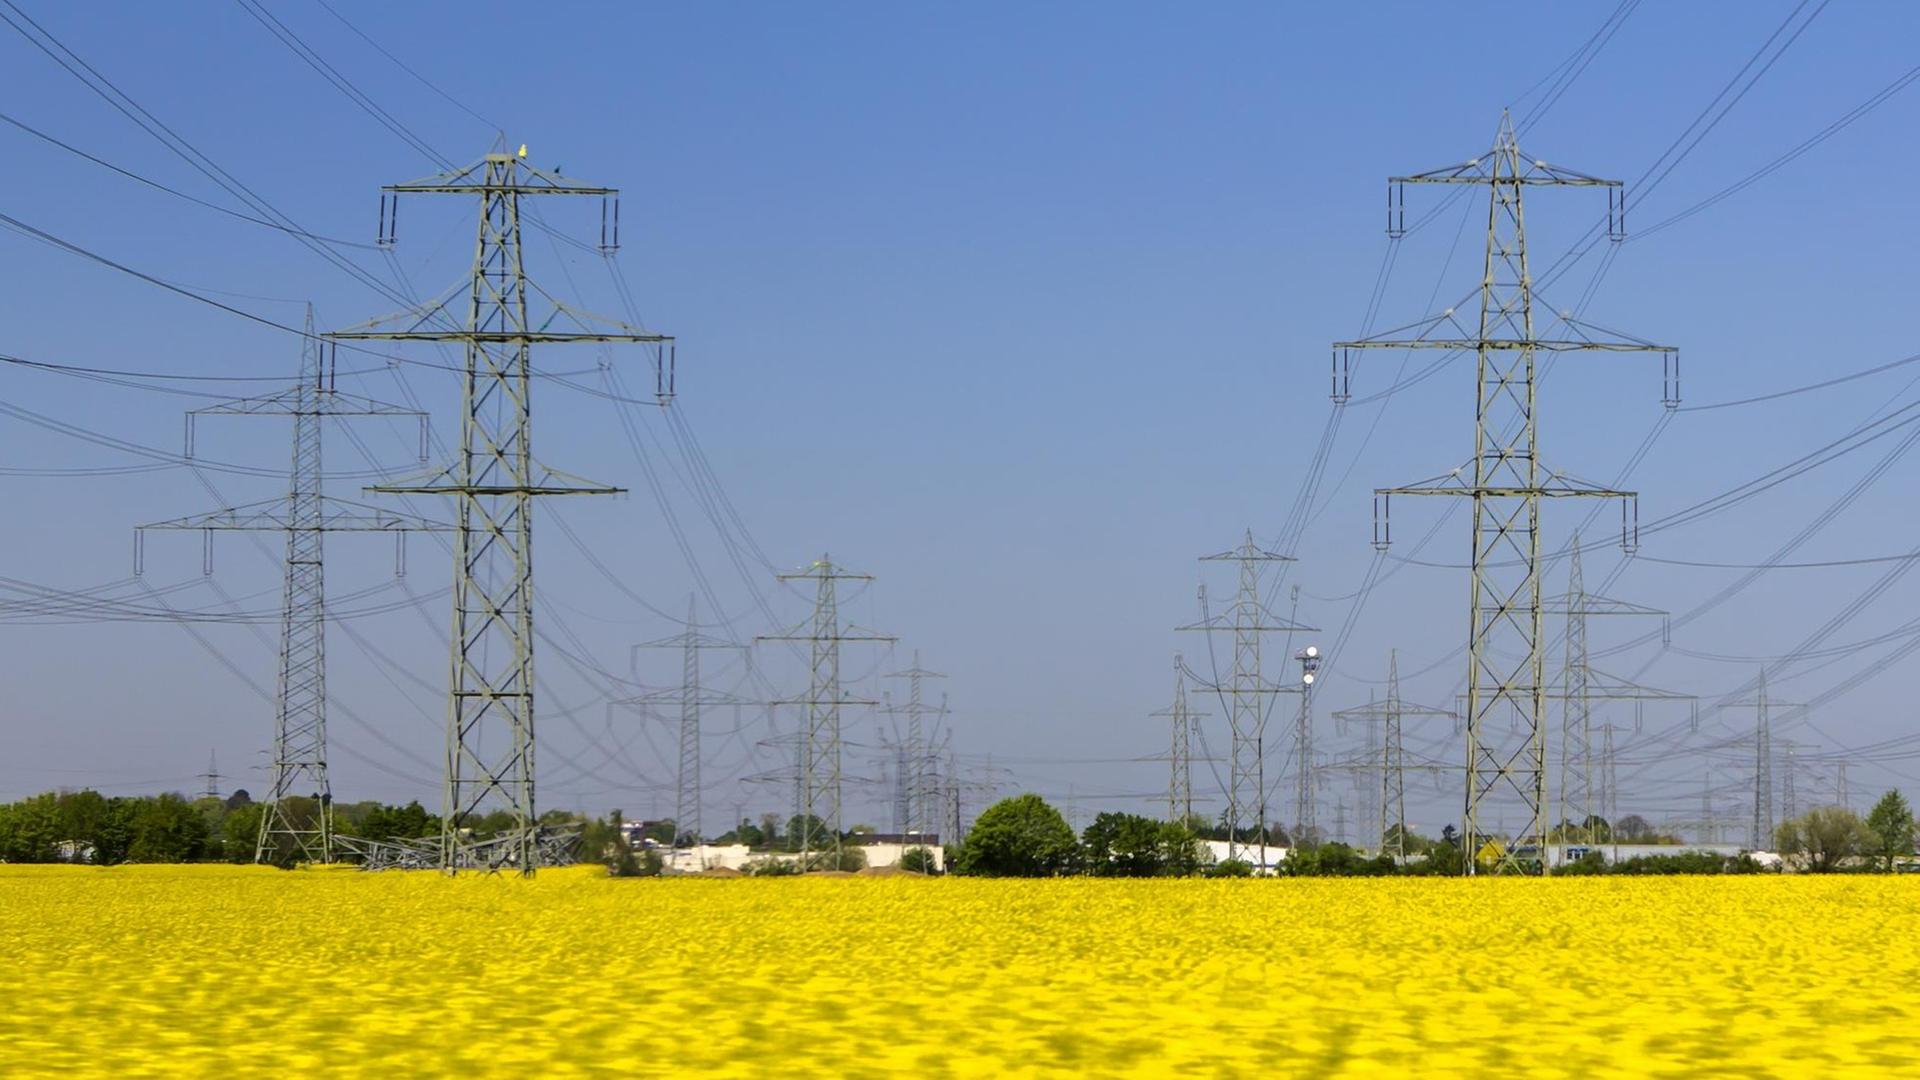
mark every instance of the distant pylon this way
{"type": "Point", "coordinates": [1505, 480]}
{"type": "Point", "coordinates": [494, 481]}
{"type": "Point", "coordinates": [212, 776]}
{"type": "Point", "coordinates": [1248, 692]}
{"type": "Point", "coordinates": [1583, 798]}
{"type": "Point", "coordinates": [305, 514]}
{"type": "Point", "coordinates": [919, 810]}
{"type": "Point", "coordinates": [1760, 831]}
{"type": "Point", "coordinates": [1391, 714]}
{"type": "Point", "coordinates": [1180, 718]}
{"type": "Point", "coordinates": [689, 696]}
{"type": "Point", "coordinates": [820, 764]}
{"type": "Point", "coordinates": [1789, 799]}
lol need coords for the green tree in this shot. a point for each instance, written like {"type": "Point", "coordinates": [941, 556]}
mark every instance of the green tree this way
{"type": "Point", "coordinates": [918, 860]}
{"type": "Point", "coordinates": [1230, 868]}
{"type": "Point", "coordinates": [30, 830]}
{"type": "Point", "coordinates": [240, 832]}
{"type": "Point", "coordinates": [1122, 845]}
{"type": "Point", "coordinates": [1891, 823]}
{"type": "Point", "coordinates": [168, 829]}
{"type": "Point", "coordinates": [809, 828]}
{"type": "Point", "coordinates": [1020, 836]}
{"type": "Point", "coordinates": [1825, 837]}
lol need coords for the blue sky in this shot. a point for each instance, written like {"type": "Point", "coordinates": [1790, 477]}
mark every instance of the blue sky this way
{"type": "Point", "coordinates": [1019, 309]}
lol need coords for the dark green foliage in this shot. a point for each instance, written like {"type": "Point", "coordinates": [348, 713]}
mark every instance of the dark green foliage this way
{"type": "Point", "coordinates": [1128, 845]}
{"type": "Point", "coordinates": [919, 860]}
{"type": "Point", "coordinates": [1019, 837]}
{"type": "Point", "coordinates": [1230, 868]}
{"type": "Point", "coordinates": [1335, 860]}
{"type": "Point", "coordinates": [1891, 823]}
{"type": "Point", "coordinates": [808, 829]}
{"type": "Point", "coordinates": [168, 829]}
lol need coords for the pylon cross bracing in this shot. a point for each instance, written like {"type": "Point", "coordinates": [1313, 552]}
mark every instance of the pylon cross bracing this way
{"type": "Point", "coordinates": [298, 762]}
{"type": "Point", "coordinates": [820, 765]}
{"type": "Point", "coordinates": [1506, 481]}
{"type": "Point", "coordinates": [494, 480]}
{"type": "Point", "coordinates": [1247, 691]}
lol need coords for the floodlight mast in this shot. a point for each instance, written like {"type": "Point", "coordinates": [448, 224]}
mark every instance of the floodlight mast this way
{"type": "Point", "coordinates": [1506, 675]}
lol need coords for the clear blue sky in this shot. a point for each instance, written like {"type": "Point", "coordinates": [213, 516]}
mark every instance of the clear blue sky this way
{"type": "Point", "coordinates": [1020, 309]}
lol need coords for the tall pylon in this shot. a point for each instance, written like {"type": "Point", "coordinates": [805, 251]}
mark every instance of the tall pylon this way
{"type": "Point", "coordinates": [305, 514]}
{"type": "Point", "coordinates": [1789, 798]}
{"type": "Point", "coordinates": [1180, 719]}
{"type": "Point", "coordinates": [1505, 479]}
{"type": "Point", "coordinates": [494, 481]}
{"type": "Point", "coordinates": [690, 695]}
{"type": "Point", "coordinates": [920, 812]}
{"type": "Point", "coordinates": [1391, 715]}
{"type": "Point", "coordinates": [1249, 693]}
{"type": "Point", "coordinates": [819, 749]}
{"type": "Point", "coordinates": [211, 776]}
{"type": "Point", "coordinates": [1584, 802]}
{"type": "Point", "coordinates": [1760, 829]}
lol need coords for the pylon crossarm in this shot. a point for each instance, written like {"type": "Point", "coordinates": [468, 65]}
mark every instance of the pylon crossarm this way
{"type": "Point", "coordinates": [460, 182]}
{"type": "Point", "coordinates": [1507, 345]}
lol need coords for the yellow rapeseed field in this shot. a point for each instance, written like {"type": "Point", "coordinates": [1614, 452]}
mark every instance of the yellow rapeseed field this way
{"type": "Point", "coordinates": [242, 971]}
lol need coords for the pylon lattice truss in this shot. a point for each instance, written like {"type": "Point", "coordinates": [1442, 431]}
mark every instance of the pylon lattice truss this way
{"type": "Point", "coordinates": [1584, 800]}
{"type": "Point", "coordinates": [916, 784]}
{"type": "Point", "coordinates": [1249, 694]}
{"type": "Point", "coordinates": [298, 765]}
{"type": "Point", "coordinates": [690, 695]}
{"type": "Point", "coordinates": [1181, 720]}
{"type": "Point", "coordinates": [1506, 481]}
{"type": "Point", "coordinates": [820, 765]}
{"type": "Point", "coordinates": [494, 481]}
{"type": "Point", "coordinates": [1392, 766]}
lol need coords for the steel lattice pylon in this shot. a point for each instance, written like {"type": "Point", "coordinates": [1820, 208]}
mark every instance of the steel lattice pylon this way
{"type": "Point", "coordinates": [1392, 765]}
{"type": "Point", "coordinates": [1584, 801]}
{"type": "Point", "coordinates": [299, 754]}
{"type": "Point", "coordinates": [819, 748]}
{"type": "Point", "coordinates": [1505, 479]}
{"type": "Point", "coordinates": [689, 696]}
{"type": "Point", "coordinates": [1249, 693]}
{"type": "Point", "coordinates": [914, 783]}
{"type": "Point", "coordinates": [1180, 717]}
{"type": "Point", "coordinates": [494, 481]}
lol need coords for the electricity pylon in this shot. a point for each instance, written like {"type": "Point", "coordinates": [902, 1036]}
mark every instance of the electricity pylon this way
{"type": "Point", "coordinates": [1248, 692]}
{"type": "Point", "coordinates": [819, 747]}
{"type": "Point", "coordinates": [305, 514]}
{"type": "Point", "coordinates": [1391, 714]}
{"type": "Point", "coordinates": [1583, 804]}
{"type": "Point", "coordinates": [1505, 479]}
{"type": "Point", "coordinates": [494, 481]}
{"type": "Point", "coordinates": [1760, 832]}
{"type": "Point", "coordinates": [1181, 719]}
{"type": "Point", "coordinates": [690, 696]}
{"type": "Point", "coordinates": [1789, 798]}
{"type": "Point", "coordinates": [212, 776]}
{"type": "Point", "coordinates": [919, 811]}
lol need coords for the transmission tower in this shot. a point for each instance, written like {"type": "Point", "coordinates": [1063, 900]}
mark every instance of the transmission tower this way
{"type": "Point", "coordinates": [212, 776]}
{"type": "Point", "coordinates": [1760, 832]}
{"type": "Point", "coordinates": [305, 514]}
{"type": "Point", "coordinates": [494, 481]}
{"type": "Point", "coordinates": [1789, 799]}
{"type": "Point", "coordinates": [1181, 720]}
{"type": "Point", "coordinates": [1248, 692]}
{"type": "Point", "coordinates": [1392, 767]}
{"type": "Point", "coordinates": [1505, 479]}
{"type": "Point", "coordinates": [1583, 802]}
{"type": "Point", "coordinates": [690, 696]}
{"type": "Point", "coordinates": [819, 749]}
{"type": "Point", "coordinates": [919, 809]}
